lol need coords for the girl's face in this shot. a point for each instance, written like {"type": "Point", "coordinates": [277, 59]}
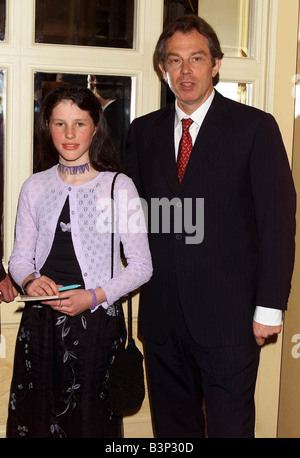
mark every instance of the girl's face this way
{"type": "Point", "coordinates": [72, 131]}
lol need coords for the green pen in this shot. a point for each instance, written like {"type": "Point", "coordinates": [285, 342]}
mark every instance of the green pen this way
{"type": "Point", "coordinates": [66, 288]}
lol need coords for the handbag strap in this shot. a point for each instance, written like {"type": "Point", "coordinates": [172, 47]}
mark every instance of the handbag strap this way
{"type": "Point", "coordinates": [129, 301]}
{"type": "Point", "coordinates": [112, 224]}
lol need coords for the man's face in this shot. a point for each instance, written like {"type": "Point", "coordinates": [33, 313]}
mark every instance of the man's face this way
{"type": "Point", "coordinates": [189, 69]}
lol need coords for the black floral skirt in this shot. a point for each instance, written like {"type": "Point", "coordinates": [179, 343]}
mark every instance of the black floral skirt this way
{"type": "Point", "coordinates": [60, 367]}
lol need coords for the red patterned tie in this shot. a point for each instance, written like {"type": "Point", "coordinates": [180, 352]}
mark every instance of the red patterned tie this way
{"type": "Point", "coordinates": [185, 148]}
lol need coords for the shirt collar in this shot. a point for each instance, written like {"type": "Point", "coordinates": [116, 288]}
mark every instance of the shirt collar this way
{"type": "Point", "coordinates": [198, 115]}
{"type": "Point", "coordinates": [107, 104]}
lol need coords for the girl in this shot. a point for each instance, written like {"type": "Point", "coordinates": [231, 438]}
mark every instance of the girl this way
{"type": "Point", "coordinates": [64, 346]}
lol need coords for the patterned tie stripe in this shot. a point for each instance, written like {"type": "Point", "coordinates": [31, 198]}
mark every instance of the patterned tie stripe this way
{"type": "Point", "coordinates": [185, 148]}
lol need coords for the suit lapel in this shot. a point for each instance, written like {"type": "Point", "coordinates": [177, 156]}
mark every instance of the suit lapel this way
{"type": "Point", "coordinates": [208, 135]}
{"type": "Point", "coordinates": [165, 149]}
{"type": "Point", "coordinates": [213, 124]}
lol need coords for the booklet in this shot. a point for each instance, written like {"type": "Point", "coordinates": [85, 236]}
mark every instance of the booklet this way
{"type": "Point", "coordinates": [38, 298]}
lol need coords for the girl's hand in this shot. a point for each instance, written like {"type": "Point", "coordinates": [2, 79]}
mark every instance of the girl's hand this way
{"type": "Point", "coordinates": [72, 302]}
{"type": "Point", "coordinates": [42, 286]}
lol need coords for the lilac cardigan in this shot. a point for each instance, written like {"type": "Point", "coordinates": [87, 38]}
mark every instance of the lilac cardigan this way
{"type": "Point", "coordinates": [41, 200]}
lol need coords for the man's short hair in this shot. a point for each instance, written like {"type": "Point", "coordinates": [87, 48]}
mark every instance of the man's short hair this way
{"type": "Point", "coordinates": [186, 24]}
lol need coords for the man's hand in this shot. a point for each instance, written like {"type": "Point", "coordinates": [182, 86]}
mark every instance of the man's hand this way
{"type": "Point", "coordinates": [7, 289]}
{"type": "Point", "coordinates": [262, 332]}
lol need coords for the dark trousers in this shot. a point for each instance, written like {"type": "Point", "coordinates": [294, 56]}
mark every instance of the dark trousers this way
{"type": "Point", "coordinates": [182, 375]}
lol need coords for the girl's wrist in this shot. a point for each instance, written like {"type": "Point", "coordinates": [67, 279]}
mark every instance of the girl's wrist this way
{"type": "Point", "coordinates": [98, 297]}
{"type": "Point", "coordinates": [94, 299]}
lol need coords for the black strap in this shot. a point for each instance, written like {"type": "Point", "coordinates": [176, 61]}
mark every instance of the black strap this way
{"type": "Point", "coordinates": [129, 301]}
{"type": "Point", "coordinates": [112, 224]}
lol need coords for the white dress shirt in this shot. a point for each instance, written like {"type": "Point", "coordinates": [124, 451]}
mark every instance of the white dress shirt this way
{"type": "Point", "coordinates": [262, 315]}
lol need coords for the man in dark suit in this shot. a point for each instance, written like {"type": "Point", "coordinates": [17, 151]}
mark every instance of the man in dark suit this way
{"type": "Point", "coordinates": [116, 110]}
{"type": "Point", "coordinates": [7, 289]}
{"type": "Point", "coordinates": [216, 293]}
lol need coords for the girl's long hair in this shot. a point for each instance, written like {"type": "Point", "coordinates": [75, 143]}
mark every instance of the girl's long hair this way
{"type": "Point", "coordinates": [102, 153]}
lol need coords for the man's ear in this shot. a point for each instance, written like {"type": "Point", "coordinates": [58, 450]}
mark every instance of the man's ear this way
{"type": "Point", "coordinates": [161, 67]}
{"type": "Point", "coordinates": [216, 67]}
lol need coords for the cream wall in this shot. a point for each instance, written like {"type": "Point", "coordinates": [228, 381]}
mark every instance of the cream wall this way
{"type": "Point", "coordinates": [268, 386]}
{"type": "Point", "coordinates": [289, 406]}
{"type": "Point", "coordinates": [286, 63]}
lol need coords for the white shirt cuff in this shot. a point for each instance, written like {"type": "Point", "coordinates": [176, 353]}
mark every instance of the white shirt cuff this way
{"type": "Point", "coordinates": [268, 316]}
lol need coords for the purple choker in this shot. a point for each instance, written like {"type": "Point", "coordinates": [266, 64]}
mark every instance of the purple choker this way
{"type": "Point", "coordinates": [74, 169]}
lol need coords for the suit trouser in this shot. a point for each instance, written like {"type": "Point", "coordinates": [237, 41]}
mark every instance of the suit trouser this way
{"type": "Point", "coordinates": [182, 375]}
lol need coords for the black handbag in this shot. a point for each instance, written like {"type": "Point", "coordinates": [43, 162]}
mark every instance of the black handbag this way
{"type": "Point", "coordinates": [125, 386]}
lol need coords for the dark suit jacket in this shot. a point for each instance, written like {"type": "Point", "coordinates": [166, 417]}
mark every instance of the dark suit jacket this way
{"type": "Point", "coordinates": [239, 167]}
{"type": "Point", "coordinates": [117, 115]}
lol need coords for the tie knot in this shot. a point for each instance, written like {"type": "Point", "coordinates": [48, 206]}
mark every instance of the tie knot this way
{"type": "Point", "coordinates": [186, 123]}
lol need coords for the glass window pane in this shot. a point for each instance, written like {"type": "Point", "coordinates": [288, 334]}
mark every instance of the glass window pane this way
{"type": "Point", "coordinates": [240, 92]}
{"type": "Point", "coordinates": [2, 19]}
{"type": "Point", "coordinates": [114, 93]}
{"type": "Point", "coordinates": [176, 8]}
{"type": "Point", "coordinates": [105, 23]}
{"type": "Point", "coordinates": [231, 20]}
